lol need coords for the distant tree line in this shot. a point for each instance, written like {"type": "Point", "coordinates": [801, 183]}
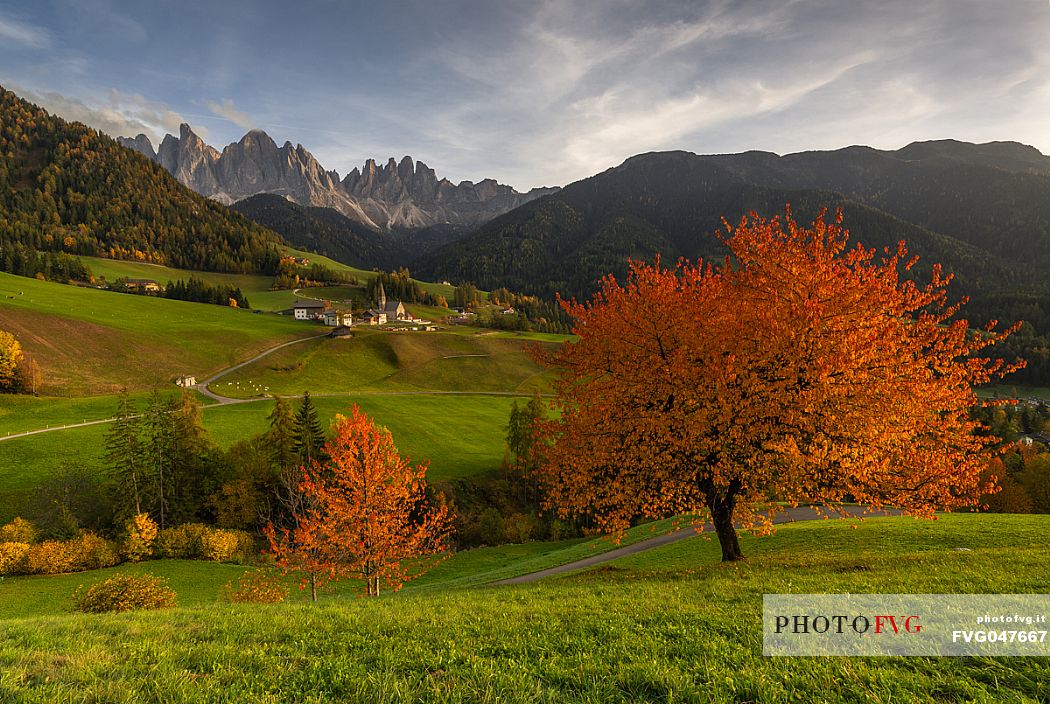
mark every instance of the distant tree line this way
{"type": "Point", "coordinates": [195, 290]}
{"type": "Point", "coordinates": [22, 260]}
{"type": "Point", "coordinates": [531, 314]}
{"type": "Point", "coordinates": [1022, 471]}
{"type": "Point", "coordinates": [293, 275]}
{"type": "Point", "coordinates": [399, 286]}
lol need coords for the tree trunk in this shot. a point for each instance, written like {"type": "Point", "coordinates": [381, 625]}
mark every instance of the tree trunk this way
{"type": "Point", "coordinates": [313, 587]}
{"type": "Point", "coordinates": [721, 508]}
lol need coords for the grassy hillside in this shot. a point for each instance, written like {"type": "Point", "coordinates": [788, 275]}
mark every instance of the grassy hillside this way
{"type": "Point", "coordinates": [672, 625]}
{"type": "Point", "coordinates": [460, 436]}
{"type": "Point", "coordinates": [436, 289]}
{"type": "Point", "coordinates": [89, 341]}
{"type": "Point", "coordinates": [255, 286]}
{"type": "Point", "coordinates": [391, 361]}
{"type": "Point", "coordinates": [199, 583]}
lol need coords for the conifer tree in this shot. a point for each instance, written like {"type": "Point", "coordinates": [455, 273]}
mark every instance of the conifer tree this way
{"type": "Point", "coordinates": [124, 452]}
{"type": "Point", "coordinates": [309, 436]}
{"type": "Point", "coordinates": [281, 437]}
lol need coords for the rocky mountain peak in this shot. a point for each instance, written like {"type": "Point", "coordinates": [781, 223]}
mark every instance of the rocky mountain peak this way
{"type": "Point", "coordinates": [399, 194]}
{"type": "Point", "coordinates": [141, 144]}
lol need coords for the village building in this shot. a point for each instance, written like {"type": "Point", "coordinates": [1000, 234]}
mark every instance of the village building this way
{"type": "Point", "coordinates": [309, 309]}
{"type": "Point", "coordinates": [186, 381]}
{"type": "Point", "coordinates": [393, 310]}
{"type": "Point", "coordinates": [373, 317]}
{"type": "Point", "coordinates": [336, 318]}
{"type": "Point", "coordinates": [1033, 438]}
{"type": "Point", "coordinates": [144, 285]}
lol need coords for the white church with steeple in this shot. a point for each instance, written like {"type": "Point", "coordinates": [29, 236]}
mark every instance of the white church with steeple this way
{"type": "Point", "coordinates": [385, 311]}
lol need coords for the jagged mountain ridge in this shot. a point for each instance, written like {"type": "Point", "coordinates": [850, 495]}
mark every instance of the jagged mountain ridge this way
{"type": "Point", "coordinates": [398, 195]}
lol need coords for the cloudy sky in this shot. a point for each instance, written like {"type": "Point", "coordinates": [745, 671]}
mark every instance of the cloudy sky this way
{"type": "Point", "coordinates": [539, 93]}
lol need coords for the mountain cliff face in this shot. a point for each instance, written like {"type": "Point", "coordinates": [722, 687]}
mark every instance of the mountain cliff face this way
{"type": "Point", "coordinates": [403, 195]}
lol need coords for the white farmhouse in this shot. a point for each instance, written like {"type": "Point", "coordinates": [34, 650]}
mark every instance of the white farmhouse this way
{"type": "Point", "coordinates": [309, 309]}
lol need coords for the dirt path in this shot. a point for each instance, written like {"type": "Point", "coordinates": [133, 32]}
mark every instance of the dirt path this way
{"type": "Point", "coordinates": [226, 400]}
{"type": "Point", "coordinates": [792, 515]}
{"type": "Point", "coordinates": [220, 400]}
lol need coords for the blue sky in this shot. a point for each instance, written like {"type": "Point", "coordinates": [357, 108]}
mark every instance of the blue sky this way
{"type": "Point", "coordinates": [539, 93]}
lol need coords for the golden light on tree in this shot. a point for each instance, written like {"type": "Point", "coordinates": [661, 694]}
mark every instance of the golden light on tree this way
{"type": "Point", "coordinates": [797, 370]}
{"type": "Point", "coordinates": [365, 513]}
{"type": "Point", "coordinates": [10, 359]}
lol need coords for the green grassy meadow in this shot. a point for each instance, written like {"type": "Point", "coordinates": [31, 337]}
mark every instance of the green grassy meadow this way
{"type": "Point", "coordinates": [390, 361]}
{"type": "Point", "coordinates": [89, 341]}
{"type": "Point", "coordinates": [459, 435]}
{"type": "Point", "coordinates": [670, 625]}
{"type": "Point", "coordinates": [256, 287]}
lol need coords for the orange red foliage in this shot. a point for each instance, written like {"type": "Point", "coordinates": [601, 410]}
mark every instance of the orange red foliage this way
{"type": "Point", "coordinates": [797, 370]}
{"type": "Point", "coordinates": [367, 515]}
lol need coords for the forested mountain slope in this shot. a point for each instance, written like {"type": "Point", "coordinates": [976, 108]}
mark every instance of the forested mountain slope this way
{"type": "Point", "coordinates": [67, 189]}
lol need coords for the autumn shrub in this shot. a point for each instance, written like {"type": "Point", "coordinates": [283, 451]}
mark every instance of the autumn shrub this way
{"type": "Point", "coordinates": [255, 587]}
{"type": "Point", "coordinates": [518, 527]}
{"type": "Point", "coordinates": [18, 531]}
{"type": "Point", "coordinates": [560, 530]}
{"type": "Point", "coordinates": [124, 592]}
{"type": "Point", "coordinates": [141, 533]}
{"type": "Point", "coordinates": [13, 557]}
{"type": "Point", "coordinates": [491, 527]}
{"type": "Point", "coordinates": [92, 552]}
{"type": "Point", "coordinates": [51, 557]}
{"type": "Point", "coordinates": [218, 545]}
{"type": "Point", "coordinates": [181, 542]}
{"type": "Point", "coordinates": [246, 549]}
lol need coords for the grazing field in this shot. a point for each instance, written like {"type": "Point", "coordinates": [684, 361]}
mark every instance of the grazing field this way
{"type": "Point", "coordinates": [256, 287]}
{"type": "Point", "coordinates": [89, 341]}
{"type": "Point", "coordinates": [391, 361]}
{"type": "Point", "coordinates": [669, 625]}
{"type": "Point", "coordinates": [460, 435]}
{"type": "Point", "coordinates": [198, 583]}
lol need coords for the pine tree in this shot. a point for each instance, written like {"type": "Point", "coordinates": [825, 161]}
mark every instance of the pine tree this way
{"type": "Point", "coordinates": [158, 450]}
{"type": "Point", "coordinates": [124, 452]}
{"type": "Point", "coordinates": [309, 436]}
{"type": "Point", "coordinates": [281, 437]}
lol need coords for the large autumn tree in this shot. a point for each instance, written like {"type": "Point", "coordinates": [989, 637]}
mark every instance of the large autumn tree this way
{"type": "Point", "coordinates": [365, 513]}
{"type": "Point", "coordinates": [797, 370]}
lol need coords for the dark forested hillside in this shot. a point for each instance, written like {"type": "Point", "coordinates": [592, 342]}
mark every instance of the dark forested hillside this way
{"type": "Point", "coordinates": [669, 203]}
{"type": "Point", "coordinates": [983, 211]}
{"type": "Point", "coordinates": [322, 230]}
{"type": "Point", "coordinates": [329, 232]}
{"type": "Point", "coordinates": [66, 189]}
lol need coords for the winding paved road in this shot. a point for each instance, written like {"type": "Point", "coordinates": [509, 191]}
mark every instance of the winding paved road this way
{"type": "Point", "coordinates": [791, 515]}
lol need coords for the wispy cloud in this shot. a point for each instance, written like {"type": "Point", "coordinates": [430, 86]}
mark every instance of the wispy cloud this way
{"type": "Point", "coordinates": [23, 33]}
{"type": "Point", "coordinates": [226, 109]}
{"type": "Point", "coordinates": [115, 113]}
{"type": "Point", "coordinates": [543, 92]}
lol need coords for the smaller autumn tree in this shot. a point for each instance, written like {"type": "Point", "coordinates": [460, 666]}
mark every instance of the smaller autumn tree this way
{"type": "Point", "coordinates": [10, 359]}
{"type": "Point", "coordinates": [365, 513]}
